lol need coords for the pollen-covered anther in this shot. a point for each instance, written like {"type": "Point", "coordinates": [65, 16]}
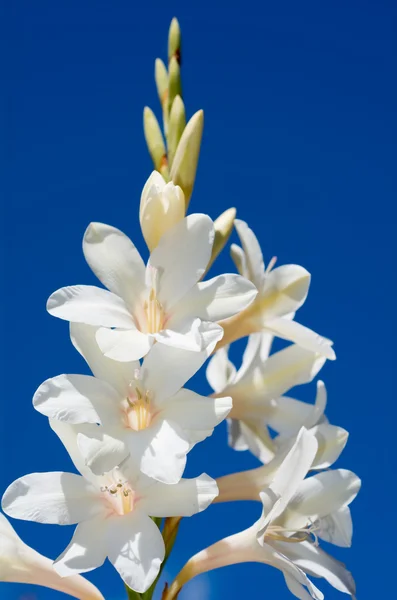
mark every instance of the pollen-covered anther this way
{"type": "Point", "coordinates": [276, 532]}
{"type": "Point", "coordinates": [155, 315]}
{"type": "Point", "coordinates": [138, 409]}
{"type": "Point", "coordinates": [120, 497]}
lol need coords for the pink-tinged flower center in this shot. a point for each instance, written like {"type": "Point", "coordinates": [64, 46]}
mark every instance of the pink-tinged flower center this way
{"type": "Point", "coordinates": [119, 496]}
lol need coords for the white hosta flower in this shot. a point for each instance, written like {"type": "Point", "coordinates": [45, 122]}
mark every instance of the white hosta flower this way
{"type": "Point", "coordinates": [111, 512]}
{"type": "Point", "coordinates": [162, 206]}
{"type": "Point", "coordinates": [142, 409]}
{"type": "Point", "coordinates": [163, 302]}
{"type": "Point", "coordinates": [281, 292]}
{"type": "Point", "coordinates": [257, 390]}
{"type": "Point", "coordinates": [21, 564]}
{"type": "Point", "coordinates": [286, 534]}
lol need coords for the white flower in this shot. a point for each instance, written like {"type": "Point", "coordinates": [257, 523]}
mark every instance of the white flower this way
{"type": "Point", "coordinates": [281, 292]}
{"type": "Point", "coordinates": [162, 206]}
{"type": "Point", "coordinates": [257, 390]}
{"type": "Point", "coordinates": [112, 513]}
{"type": "Point", "coordinates": [294, 509]}
{"type": "Point", "coordinates": [21, 564]}
{"type": "Point", "coordinates": [143, 410]}
{"type": "Point", "coordinates": [163, 302]}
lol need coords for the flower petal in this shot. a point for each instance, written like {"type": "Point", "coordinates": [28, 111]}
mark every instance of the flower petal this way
{"type": "Point", "coordinates": [68, 436]}
{"type": "Point", "coordinates": [101, 451]}
{"type": "Point", "coordinates": [290, 474]}
{"type": "Point", "coordinates": [300, 335]}
{"type": "Point", "coordinates": [135, 547]}
{"type": "Point", "coordinates": [193, 412]}
{"type": "Point", "coordinates": [117, 374]}
{"type": "Point", "coordinates": [159, 374]}
{"type": "Point", "coordinates": [123, 345]}
{"type": "Point", "coordinates": [331, 441]}
{"type": "Point", "coordinates": [160, 451]}
{"type": "Point", "coordinates": [252, 435]}
{"type": "Point", "coordinates": [322, 494]}
{"type": "Point", "coordinates": [220, 370]}
{"type": "Point", "coordinates": [218, 298]}
{"type": "Point", "coordinates": [336, 528]}
{"type": "Point", "coordinates": [116, 262]}
{"type": "Point", "coordinates": [186, 498]}
{"type": "Point", "coordinates": [86, 551]}
{"type": "Point", "coordinates": [76, 399]}
{"type": "Point", "coordinates": [252, 253]}
{"type": "Point", "coordinates": [91, 305]}
{"type": "Point", "coordinates": [280, 372]}
{"type": "Point", "coordinates": [181, 257]}
{"type": "Point", "coordinates": [285, 291]}
{"type": "Point", "coordinates": [56, 498]}
{"type": "Point", "coordinates": [318, 563]}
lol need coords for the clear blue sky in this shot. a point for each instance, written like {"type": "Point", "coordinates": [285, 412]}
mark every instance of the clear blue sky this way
{"type": "Point", "coordinates": [300, 132]}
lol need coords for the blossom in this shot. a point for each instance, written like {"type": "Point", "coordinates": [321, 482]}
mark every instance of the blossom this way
{"type": "Point", "coordinates": [257, 390]}
{"type": "Point", "coordinates": [282, 291]}
{"type": "Point", "coordinates": [162, 206]}
{"type": "Point", "coordinates": [142, 409]}
{"type": "Point", "coordinates": [163, 302]}
{"type": "Point", "coordinates": [111, 512]}
{"type": "Point", "coordinates": [21, 564]}
{"type": "Point", "coordinates": [293, 511]}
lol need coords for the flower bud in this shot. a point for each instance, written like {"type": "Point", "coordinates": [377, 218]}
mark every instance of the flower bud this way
{"type": "Point", "coordinates": [176, 125]}
{"type": "Point", "coordinates": [154, 139]}
{"type": "Point", "coordinates": [223, 228]}
{"type": "Point", "coordinates": [162, 206]}
{"type": "Point", "coordinates": [174, 41]}
{"type": "Point", "coordinates": [161, 78]}
{"type": "Point", "coordinates": [174, 82]}
{"type": "Point", "coordinates": [184, 166]}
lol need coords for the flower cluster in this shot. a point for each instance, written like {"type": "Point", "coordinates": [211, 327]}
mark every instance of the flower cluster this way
{"type": "Point", "coordinates": [129, 426]}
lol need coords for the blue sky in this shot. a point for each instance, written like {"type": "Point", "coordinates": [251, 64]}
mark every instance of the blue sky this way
{"type": "Point", "coordinates": [300, 132]}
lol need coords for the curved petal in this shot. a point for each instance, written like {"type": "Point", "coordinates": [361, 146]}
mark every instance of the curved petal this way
{"type": "Point", "coordinates": [331, 441]}
{"type": "Point", "coordinates": [296, 588]}
{"type": "Point", "coordinates": [252, 253]}
{"type": "Point", "coordinates": [285, 291]}
{"type": "Point", "coordinates": [300, 335]}
{"type": "Point", "coordinates": [290, 475]}
{"type": "Point", "coordinates": [86, 551]}
{"type": "Point", "coordinates": [76, 399]}
{"type": "Point", "coordinates": [101, 451]}
{"type": "Point", "coordinates": [252, 435]}
{"type": "Point", "coordinates": [237, 255]}
{"type": "Point", "coordinates": [159, 375]}
{"type": "Point", "coordinates": [123, 345]}
{"type": "Point", "coordinates": [55, 498]}
{"type": "Point", "coordinates": [218, 298]}
{"type": "Point", "coordinates": [160, 451]}
{"type": "Point", "coordinates": [135, 547]}
{"type": "Point", "coordinates": [194, 412]}
{"type": "Point", "coordinates": [117, 374]}
{"type": "Point", "coordinates": [321, 495]}
{"type": "Point", "coordinates": [181, 257]}
{"type": "Point", "coordinates": [318, 563]}
{"type": "Point", "coordinates": [288, 415]}
{"type": "Point", "coordinates": [220, 370]}
{"type": "Point", "coordinates": [91, 305]}
{"type": "Point", "coordinates": [272, 378]}
{"type": "Point", "coordinates": [67, 434]}
{"type": "Point", "coordinates": [115, 261]}
{"type": "Point", "coordinates": [186, 498]}
{"type": "Point", "coordinates": [190, 334]}
{"type": "Point", "coordinates": [336, 528]}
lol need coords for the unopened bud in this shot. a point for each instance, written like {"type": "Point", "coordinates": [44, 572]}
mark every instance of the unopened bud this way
{"type": "Point", "coordinates": [154, 139]}
{"type": "Point", "coordinates": [184, 166]}
{"type": "Point", "coordinates": [176, 125]}
{"type": "Point", "coordinates": [162, 206]}
{"type": "Point", "coordinates": [223, 228]}
{"type": "Point", "coordinates": [174, 41]}
{"type": "Point", "coordinates": [174, 82]}
{"type": "Point", "coordinates": [161, 78]}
